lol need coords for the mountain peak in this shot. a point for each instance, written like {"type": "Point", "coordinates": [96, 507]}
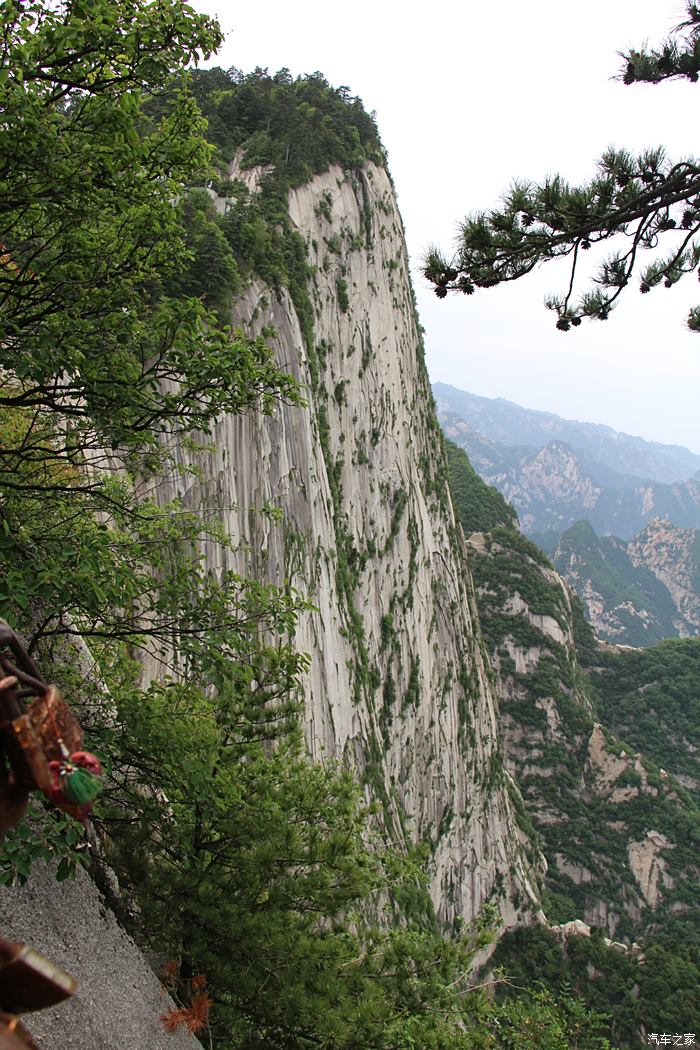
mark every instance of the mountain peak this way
{"type": "Point", "coordinates": [510, 423]}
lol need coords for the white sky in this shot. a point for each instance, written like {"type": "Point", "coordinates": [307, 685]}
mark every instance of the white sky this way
{"type": "Point", "coordinates": [468, 96]}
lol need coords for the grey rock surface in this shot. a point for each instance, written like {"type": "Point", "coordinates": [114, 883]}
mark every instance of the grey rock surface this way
{"type": "Point", "coordinates": [119, 999]}
{"type": "Point", "coordinates": [398, 687]}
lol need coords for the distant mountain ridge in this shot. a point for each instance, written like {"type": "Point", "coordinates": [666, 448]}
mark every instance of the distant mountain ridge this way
{"type": "Point", "coordinates": [615, 481]}
{"type": "Point", "coordinates": [507, 423]}
{"type": "Point", "coordinates": [619, 516]}
{"type": "Point", "coordinates": [627, 587]}
{"type": "Point", "coordinates": [639, 591]}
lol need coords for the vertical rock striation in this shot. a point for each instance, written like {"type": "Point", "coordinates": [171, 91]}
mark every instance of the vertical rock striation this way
{"type": "Point", "coordinates": [399, 686]}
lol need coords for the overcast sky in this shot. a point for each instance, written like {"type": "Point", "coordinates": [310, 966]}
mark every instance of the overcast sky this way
{"type": "Point", "coordinates": [467, 97]}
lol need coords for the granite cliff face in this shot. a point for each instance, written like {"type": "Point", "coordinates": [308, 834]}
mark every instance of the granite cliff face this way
{"type": "Point", "coordinates": [671, 553]}
{"type": "Point", "coordinates": [399, 686]}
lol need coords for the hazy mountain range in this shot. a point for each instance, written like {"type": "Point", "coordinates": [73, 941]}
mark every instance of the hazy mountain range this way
{"type": "Point", "coordinates": [617, 514]}
{"type": "Point", "coordinates": [556, 472]}
{"type": "Point", "coordinates": [611, 457]}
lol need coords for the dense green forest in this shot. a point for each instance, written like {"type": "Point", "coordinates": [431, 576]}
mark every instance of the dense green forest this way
{"type": "Point", "coordinates": [479, 507]}
{"type": "Point", "coordinates": [253, 868]}
{"type": "Point", "coordinates": [650, 698]}
{"type": "Point", "coordinates": [300, 126]}
{"type": "Point", "coordinates": [294, 128]}
{"type": "Point", "coordinates": [657, 988]}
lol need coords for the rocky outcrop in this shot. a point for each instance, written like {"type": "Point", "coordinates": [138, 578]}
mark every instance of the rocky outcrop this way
{"type": "Point", "coordinates": [649, 866]}
{"type": "Point", "coordinates": [578, 928]}
{"type": "Point", "coordinates": [671, 553]}
{"type": "Point", "coordinates": [621, 621]}
{"type": "Point", "coordinates": [547, 625]}
{"type": "Point", "coordinates": [605, 767]}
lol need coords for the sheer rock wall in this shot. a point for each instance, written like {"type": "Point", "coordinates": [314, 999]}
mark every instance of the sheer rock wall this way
{"type": "Point", "coordinates": [399, 685]}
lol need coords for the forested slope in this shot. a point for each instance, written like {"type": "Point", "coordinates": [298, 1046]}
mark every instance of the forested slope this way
{"type": "Point", "coordinates": [601, 745]}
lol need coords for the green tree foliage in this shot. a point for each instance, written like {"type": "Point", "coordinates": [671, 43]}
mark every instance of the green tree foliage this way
{"type": "Point", "coordinates": [651, 699]}
{"type": "Point", "coordinates": [251, 865]}
{"type": "Point", "coordinates": [644, 200]}
{"type": "Point", "coordinates": [87, 184]}
{"type": "Point", "coordinates": [256, 868]}
{"type": "Point", "coordinates": [479, 506]}
{"type": "Point", "coordinates": [100, 365]}
{"type": "Point", "coordinates": [679, 56]}
{"type": "Point", "coordinates": [300, 125]}
{"type": "Point", "coordinates": [544, 1021]}
{"type": "Point", "coordinates": [659, 991]}
{"type": "Point", "coordinates": [211, 275]}
{"type": "Point", "coordinates": [295, 128]}
{"type": "Point", "coordinates": [112, 297]}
